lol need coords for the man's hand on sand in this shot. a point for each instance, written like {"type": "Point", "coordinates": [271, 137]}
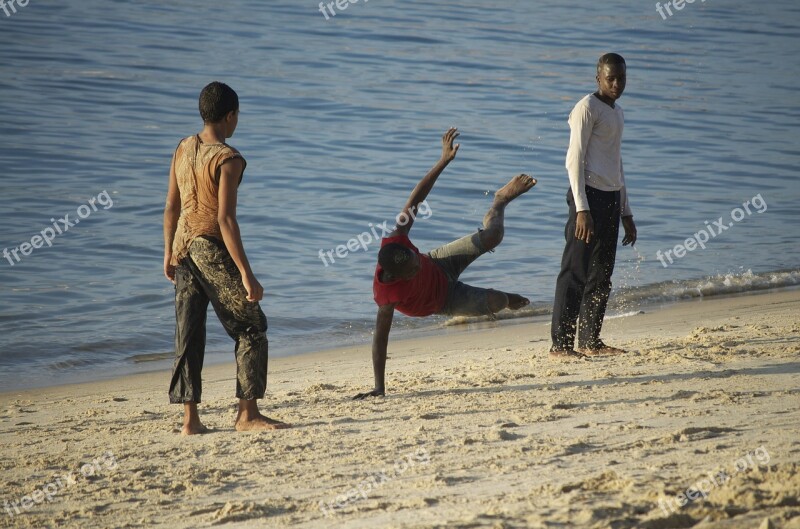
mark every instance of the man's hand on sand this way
{"type": "Point", "coordinates": [584, 227]}
{"type": "Point", "coordinates": [373, 393]}
{"type": "Point", "coordinates": [448, 149]}
{"type": "Point", "coordinates": [630, 231]}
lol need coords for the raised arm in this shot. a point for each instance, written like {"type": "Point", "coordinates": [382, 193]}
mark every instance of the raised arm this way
{"type": "Point", "coordinates": [425, 185]}
{"type": "Point", "coordinates": [380, 341]}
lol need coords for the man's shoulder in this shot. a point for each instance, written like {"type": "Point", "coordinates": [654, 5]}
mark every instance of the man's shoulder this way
{"type": "Point", "coordinates": [585, 107]}
{"type": "Point", "coordinates": [594, 104]}
{"type": "Point", "coordinates": [586, 101]}
{"type": "Point", "coordinates": [230, 148]}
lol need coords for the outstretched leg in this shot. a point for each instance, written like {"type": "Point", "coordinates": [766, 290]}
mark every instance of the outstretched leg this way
{"type": "Point", "coordinates": [455, 257]}
{"type": "Point", "coordinates": [492, 236]}
{"type": "Point", "coordinates": [505, 300]}
{"type": "Point", "coordinates": [493, 228]}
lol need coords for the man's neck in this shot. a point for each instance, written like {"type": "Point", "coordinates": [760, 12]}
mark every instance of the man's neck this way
{"type": "Point", "coordinates": [605, 99]}
{"type": "Point", "coordinates": [212, 134]}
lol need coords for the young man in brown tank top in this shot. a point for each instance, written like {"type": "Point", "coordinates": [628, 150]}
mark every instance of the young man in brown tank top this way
{"type": "Point", "coordinates": [204, 257]}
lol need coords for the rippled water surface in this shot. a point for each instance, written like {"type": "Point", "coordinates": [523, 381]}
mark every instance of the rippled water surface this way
{"type": "Point", "coordinates": [339, 119]}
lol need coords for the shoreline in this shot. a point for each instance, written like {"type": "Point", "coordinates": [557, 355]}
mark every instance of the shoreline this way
{"type": "Point", "coordinates": [452, 326]}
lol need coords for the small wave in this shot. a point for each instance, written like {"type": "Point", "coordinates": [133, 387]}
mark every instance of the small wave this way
{"type": "Point", "coordinates": [150, 357]}
{"type": "Point", "coordinates": [718, 285]}
{"type": "Point", "coordinates": [527, 312]}
{"type": "Point", "coordinates": [628, 301]}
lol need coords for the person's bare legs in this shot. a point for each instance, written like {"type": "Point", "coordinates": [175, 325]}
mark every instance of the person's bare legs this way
{"type": "Point", "coordinates": [249, 418]}
{"type": "Point", "coordinates": [494, 230]}
{"type": "Point", "coordinates": [191, 420]}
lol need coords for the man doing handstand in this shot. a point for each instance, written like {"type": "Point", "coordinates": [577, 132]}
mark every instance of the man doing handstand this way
{"type": "Point", "coordinates": [420, 284]}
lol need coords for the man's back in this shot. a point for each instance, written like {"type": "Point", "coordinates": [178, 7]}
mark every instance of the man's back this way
{"type": "Point", "coordinates": [197, 171]}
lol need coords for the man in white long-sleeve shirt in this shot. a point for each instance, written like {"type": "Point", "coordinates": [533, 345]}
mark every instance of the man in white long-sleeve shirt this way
{"type": "Point", "coordinates": [597, 198]}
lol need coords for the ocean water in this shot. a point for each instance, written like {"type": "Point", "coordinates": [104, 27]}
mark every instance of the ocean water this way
{"type": "Point", "coordinates": [339, 120]}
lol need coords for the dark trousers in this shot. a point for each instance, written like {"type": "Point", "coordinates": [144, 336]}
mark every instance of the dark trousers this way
{"type": "Point", "coordinates": [584, 282]}
{"type": "Point", "coordinates": [208, 274]}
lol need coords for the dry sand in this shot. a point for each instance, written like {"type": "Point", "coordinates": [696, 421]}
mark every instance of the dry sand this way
{"type": "Point", "coordinates": [479, 429]}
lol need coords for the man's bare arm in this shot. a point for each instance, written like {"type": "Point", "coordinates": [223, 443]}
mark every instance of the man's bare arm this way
{"type": "Point", "coordinates": [425, 185]}
{"type": "Point", "coordinates": [380, 343]}
{"type": "Point", "coordinates": [172, 211]}
{"type": "Point", "coordinates": [229, 177]}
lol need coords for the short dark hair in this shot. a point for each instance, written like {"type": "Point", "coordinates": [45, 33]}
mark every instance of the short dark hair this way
{"type": "Point", "coordinates": [610, 58]}
{"type": "Point", "coordinates": [216, 100]}
{"type": "Point", "coordinates": [394, 257]}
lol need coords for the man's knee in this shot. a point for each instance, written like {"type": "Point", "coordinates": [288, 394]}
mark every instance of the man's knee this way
{"type": "Point", "coordinates": [252, 338]}
{"type": "Point", "coordinates": [491, 238]}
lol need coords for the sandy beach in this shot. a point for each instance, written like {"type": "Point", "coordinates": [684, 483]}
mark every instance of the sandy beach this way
{"type": "Point", "coordinates": [480, 428]}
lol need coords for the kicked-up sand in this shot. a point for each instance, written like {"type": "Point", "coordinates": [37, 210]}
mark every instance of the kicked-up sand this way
{"type": "Point", "coordinates": [697, 426]}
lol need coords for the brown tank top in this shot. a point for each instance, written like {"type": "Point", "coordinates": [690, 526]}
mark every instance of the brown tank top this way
{"type": "Point", "coordinates": [197, 170]}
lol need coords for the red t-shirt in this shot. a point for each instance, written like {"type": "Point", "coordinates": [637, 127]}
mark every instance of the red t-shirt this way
{"type": "Point", "coordinates": [422, 295]}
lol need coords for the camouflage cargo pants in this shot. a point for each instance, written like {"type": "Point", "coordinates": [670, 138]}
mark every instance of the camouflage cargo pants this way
{"type": "Point", "coordinates": [208, 274]}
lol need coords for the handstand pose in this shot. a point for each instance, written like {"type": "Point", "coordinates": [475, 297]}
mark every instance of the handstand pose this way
{"type": "Point", "coordinates": [419, 284]}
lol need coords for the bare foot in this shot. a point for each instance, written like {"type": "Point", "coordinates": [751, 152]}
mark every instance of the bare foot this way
{"type": "Point", "coordinates": [515, 301]}
{"type": "Point", "coordinates": [566, 354]}
{"type": "Point", "coordinates": [194, 428]}
{"type": "Point", "coordinates": [259, 422]}
{"type": "Point", "coordinates": [602, 350]}
{"type": "Point", "coordinates": [514, 188]}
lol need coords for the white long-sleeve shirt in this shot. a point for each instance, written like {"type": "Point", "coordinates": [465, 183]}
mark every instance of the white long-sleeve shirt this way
{"type": "Point", "coordinates": [594, 157]}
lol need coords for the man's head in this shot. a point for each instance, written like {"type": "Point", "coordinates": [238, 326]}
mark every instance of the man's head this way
{"type": "Point", "coordinates": [219, 104]}
{"type": "Point", "coordinates": [611, 76]}
{"type": "Point", "coordinates": [399, 261]}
